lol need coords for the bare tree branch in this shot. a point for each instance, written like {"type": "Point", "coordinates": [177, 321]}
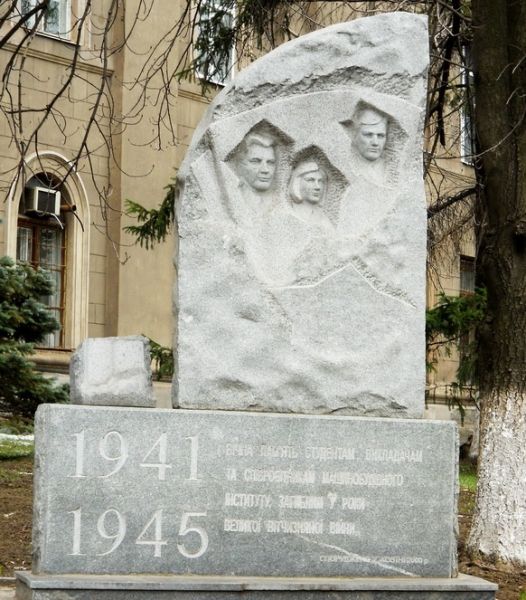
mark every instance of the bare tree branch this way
{"type": "Point", "coordinates": [443, 203]}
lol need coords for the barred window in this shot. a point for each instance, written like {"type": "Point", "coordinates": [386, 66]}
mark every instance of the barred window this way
{"type": "Point", "coordinates": [467, 275]}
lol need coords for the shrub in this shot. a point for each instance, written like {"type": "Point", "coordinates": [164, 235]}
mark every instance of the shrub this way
{"type": "Point", "coordinates": [24, 322]}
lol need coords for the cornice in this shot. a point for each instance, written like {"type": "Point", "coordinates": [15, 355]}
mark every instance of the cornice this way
{"type": "Point", "coordinates": [59, 60]}
{"type": "Point", "coordinates": [193, 96]}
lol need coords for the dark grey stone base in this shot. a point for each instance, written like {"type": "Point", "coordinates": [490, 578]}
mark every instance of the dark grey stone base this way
{"type": "Point", "coordinates": [145, 587]}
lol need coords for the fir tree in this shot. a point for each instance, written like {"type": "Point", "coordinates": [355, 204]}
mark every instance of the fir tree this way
{"type": "Point", "coordinates": [24, 322]}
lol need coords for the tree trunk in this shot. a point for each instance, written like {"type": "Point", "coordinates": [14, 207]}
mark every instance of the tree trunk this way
{"type": "Point", "coordinates": [499, 527]}
{"type": "Point", "coordinates": [474, 446]}
{"type": "Point", "coordinates": [499, 50]}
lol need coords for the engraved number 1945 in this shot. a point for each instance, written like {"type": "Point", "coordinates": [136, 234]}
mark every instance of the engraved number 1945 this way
{"type": "Point", "coordinates": [111, 525]}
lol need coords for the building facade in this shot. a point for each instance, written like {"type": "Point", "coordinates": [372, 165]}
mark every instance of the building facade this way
{"type": "Point", "coordinates": [98, 145]}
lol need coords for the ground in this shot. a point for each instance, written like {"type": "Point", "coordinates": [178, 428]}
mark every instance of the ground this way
{"type": "Point", "coordinates": [16, 500]}
{"type": "Point", "coordinates": [15, 531]}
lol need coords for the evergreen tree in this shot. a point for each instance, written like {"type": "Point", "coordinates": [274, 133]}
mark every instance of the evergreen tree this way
{"type": "Point", "coordinates": [24, 322]}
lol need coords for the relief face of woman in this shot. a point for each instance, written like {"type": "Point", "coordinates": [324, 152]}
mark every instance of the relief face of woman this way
{"type": "Point", "coordinates": [308, 192]}
{"type": "Point", "coordinates": [312, 186]}
{"type": "Point", "coordinates": [308, 183]}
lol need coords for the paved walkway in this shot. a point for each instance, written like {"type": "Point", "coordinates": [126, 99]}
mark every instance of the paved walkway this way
{"type": "Point", "coordinates": [7, 593]}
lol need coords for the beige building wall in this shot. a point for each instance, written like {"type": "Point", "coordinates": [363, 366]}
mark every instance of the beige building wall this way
{"type": "Point", "coordinates": [114, 287]}
{"type": "Point", "coordinates": [140, 281]}
{"type": "Point", "coordinates": [46, 66]}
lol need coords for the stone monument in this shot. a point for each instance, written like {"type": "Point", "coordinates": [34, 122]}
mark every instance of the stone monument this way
{"type": "Point", "coordinates": [294, 468]}
{"type": "Point", "coordinates": [302, 220]}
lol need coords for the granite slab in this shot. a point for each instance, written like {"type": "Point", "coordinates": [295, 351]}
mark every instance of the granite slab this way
{"type": "Point", "coordinates": [78, 587]}
{"type": "Point", "coordinates": [132, 490]}
{"type": "Point", "coordinates": [112, 371]}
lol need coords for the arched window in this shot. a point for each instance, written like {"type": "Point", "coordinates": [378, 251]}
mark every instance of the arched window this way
{"type": "Point", "coordinates": [48, 225]}
{"type": "Point", "coordinates": [41, 240]}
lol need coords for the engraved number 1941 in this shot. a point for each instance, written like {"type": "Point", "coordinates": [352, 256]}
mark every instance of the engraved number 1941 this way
{"type": "Point", "coordinates": [113, 448]}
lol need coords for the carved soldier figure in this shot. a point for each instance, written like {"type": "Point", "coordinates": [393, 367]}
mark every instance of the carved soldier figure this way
{"type": "Point", "coordinates": [257, 163]}
{"type": "Point", "coordinates": [369, 133]}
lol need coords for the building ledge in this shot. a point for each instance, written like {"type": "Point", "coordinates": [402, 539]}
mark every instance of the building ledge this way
{"type": "Point", "coordinates": [52, 360]}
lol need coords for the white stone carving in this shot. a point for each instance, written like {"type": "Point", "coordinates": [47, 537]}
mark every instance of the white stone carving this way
{"type": "Point", "coordinates": [257, 163]}
{"type": "Point", "coordinates": [308, 192]}
{"type": "Point", "coordinates": [302, 223]}
{"type": "Point", "coordinates": [369, 133]}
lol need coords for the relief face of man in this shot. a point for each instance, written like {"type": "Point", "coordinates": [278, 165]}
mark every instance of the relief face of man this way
{"type": "Point", "coordinates": [257, 166]}
{"type": "Point", "coordinates": [370, 134]}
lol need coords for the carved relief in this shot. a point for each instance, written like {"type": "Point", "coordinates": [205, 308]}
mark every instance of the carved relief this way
{"type": "Point", "coordinates": [308, 192]}
{"type": "Point", "coordinates": [315, 189]}
{"type": "Point", "coordinates": [369, 129]}
{"type": "Point", "coordinates": [302, 231]}
{"type": "Point", "coordinates": [256, 164]}
{"type": "Point", "coordinates": [308, 183]}
{"type": "Point", "coordinates": [260, 159]}
{"type": "Point", "coordinates": [377, 141]}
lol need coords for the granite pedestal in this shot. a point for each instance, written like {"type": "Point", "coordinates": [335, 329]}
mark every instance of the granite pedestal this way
{"type": "Point", "coordinates": [464, 587]}
{"type": "Point", "coordinates": [184, 505]}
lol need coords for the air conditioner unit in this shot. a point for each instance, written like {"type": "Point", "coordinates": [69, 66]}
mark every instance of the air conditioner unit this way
{"type": "Point", "coordinates": [42, 200]}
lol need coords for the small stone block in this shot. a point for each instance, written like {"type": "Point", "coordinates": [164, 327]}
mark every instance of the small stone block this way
{"type": "Point", "coordinates": [113, 371]}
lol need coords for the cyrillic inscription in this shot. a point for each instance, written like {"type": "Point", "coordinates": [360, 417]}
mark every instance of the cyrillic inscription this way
{"type": "Point", "coordinates": [363, 479]}
{"type": "Point", "coordinates": [328, 453]}
{"type": "Point", "coordinates": [248, 500]}
{"type": "Point", "coordinates": [302, 502]}
{"type": "Point", "coordinates": [395, 455]}
{"type": "Point", "coordinates": [279, 476]}
{"type": "Point", "coordinates": [304, 527]}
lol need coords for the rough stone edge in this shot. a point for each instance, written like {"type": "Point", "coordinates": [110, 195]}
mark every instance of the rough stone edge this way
{"type": "Point", "coordinates": [281, 52]}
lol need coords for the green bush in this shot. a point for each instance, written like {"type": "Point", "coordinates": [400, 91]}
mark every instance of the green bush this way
{"type": "Point", "coordinates": [162, 361]}
{"type": "Point", "coordinates": [24, 322]}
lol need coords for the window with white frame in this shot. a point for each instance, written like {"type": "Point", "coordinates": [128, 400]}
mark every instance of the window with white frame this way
{"type": "Point", "coordinates": [467, 110]}
{"type": "Point", "coordinates": [214, 45]}
{"type": "Point", "coordinates": [41, 242]}
{"type": "Point", "coordinates": [56, 19]}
